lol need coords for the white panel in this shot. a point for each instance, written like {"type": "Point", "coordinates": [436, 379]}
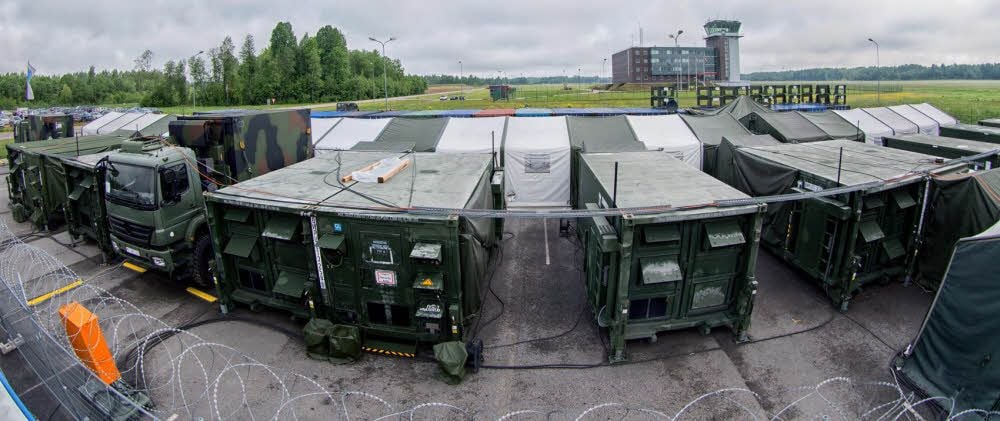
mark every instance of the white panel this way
{"type": "Point", "coordinates": [669, 134]}
{"type": "Point", "coordinates": [93, 127]}
{"type": "Point", "coordinates": [350, 131]}
{"type": "Point", "coordinates": [874, 130]}
{"type": "Point", "coordinates": [926, 124]}
{"type": "Point", "coordinates": [537, 161]}
{"type": "Point", "coordinates": [472, 135]}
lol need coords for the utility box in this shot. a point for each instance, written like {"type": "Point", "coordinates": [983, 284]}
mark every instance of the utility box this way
{"type": "Point", "coordinates": [306, 240]}
{"type": "Point", "coordinates": [971, 132]}
{"type": "Point", "coordinates": [36, 183]}
{"type": "Point", "coordinates": [946, 147]}
{"type": "Point", "coordinates": [43, 127]}
{"type": "Point", "coordinates": [847, 240]}
{"type": "Point", "coordinates": [688, 265]}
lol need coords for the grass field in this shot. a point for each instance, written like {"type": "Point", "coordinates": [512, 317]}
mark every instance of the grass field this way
{"type": "Point", "coordinates": [969, 101]}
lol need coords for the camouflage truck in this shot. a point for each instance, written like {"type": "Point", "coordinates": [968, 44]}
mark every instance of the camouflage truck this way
{"type": "Point", "coordinates": [43, 127]}
{"type": "Point", "coordinates": [153, 193]}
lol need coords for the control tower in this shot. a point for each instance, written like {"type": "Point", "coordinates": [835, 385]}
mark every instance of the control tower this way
{"type": "Point", "coordinates": [724, 36]}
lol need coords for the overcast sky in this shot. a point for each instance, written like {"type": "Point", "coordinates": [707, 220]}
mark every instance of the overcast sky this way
{"type": "Point", "coordinates": [531, 37]}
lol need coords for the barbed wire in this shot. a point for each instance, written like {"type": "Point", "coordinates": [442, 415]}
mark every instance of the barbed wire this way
{"type": "Point", "coordinates": [188, 376]}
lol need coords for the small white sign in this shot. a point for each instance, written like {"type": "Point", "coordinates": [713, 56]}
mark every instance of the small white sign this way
{"type": "Point", "coordinates": [385, 278]}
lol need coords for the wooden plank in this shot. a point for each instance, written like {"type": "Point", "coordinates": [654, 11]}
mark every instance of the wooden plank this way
{"type": "Point", "coordinates": [394, 171]}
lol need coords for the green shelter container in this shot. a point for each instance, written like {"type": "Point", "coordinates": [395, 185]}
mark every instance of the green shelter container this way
{"type": "Point", "coordinates": [690, 264]}
{"type": "Point", "coordinates": [846, 240]}
{"type": "Point", "coordinates": [990, 122]}
{"type": "Point", "coordinates": [971, 132]}
{"type": "Point", "coordinates": [303, 240]}
{"type": "Point", "coordinates": [36, 183]}
{"type": "Point", "coordinates": [43, 127]}
{"type": "Point", "coordinates": [786, 127]}
{"type": "Point", "coordinates": [84, 209]}
{"type": "Point", "coordinates": [946, 147]}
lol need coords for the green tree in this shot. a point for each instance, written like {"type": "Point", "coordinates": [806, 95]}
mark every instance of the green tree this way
{"type": "Point", "coordinates": [66, 95]}
{"type": "Point", "coordinates": [249, 92]}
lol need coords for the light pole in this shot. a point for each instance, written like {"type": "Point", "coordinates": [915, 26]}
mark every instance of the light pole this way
{"type": "Point", "coordinates": [878, 75]}
{"type": "Point", "coordinates": [677, 44]}
{"type": "Point", "coordinates": [385, 78]}
{"type": "Point", "coordinates": [461, 86]}
{"type": "Point", "coordinates": [604, 62]}
{"type": "Point", "coordinates": [194, 93]}
{"type": "Point", "coordinates": [579, 78]}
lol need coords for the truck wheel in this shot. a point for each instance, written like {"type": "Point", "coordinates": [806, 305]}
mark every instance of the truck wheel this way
{"type": "Point", "coordinates": [201, 272]}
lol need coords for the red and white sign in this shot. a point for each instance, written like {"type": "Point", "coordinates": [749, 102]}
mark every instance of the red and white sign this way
{"type": "Point", "coordinates": [385, 278]}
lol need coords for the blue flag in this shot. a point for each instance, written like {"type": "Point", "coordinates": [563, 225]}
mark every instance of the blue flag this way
{"type": "Point", "coordinates": [28, 94]}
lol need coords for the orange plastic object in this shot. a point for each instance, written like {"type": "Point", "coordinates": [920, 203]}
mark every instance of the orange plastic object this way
{"type": "Point", "coordinates": [85, 335]}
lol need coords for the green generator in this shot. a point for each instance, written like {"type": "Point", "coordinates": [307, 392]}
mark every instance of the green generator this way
{"type": "Point", "coordinates": [946, 147]}
{"type": "Point", "coordinates": [312, 240]}
{"type": "Point", "coordinates": [971, 132]}
{"type": "Point", "coordinates": [689, 264]}
{"type": "Point", "coordinates": [37, 184]}
{"type": "Point", "coordinates": [847, 240]}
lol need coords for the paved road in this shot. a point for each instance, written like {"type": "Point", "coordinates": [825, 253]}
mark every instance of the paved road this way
{"type": "Point", "coordinates": [374, 100]}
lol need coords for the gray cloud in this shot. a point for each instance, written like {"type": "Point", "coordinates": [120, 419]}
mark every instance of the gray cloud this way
{"type": "Point", "coordinates": [516, 36]}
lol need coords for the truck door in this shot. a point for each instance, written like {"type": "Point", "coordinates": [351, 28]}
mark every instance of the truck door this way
{"type": "Point", "coordinates": [176, 211]}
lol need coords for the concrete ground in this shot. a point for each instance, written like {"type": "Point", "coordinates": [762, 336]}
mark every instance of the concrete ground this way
{"type": "Point", "coordinates": [799, 343]}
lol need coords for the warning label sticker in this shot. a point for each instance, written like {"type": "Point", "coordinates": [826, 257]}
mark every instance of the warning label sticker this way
{"type": "Point", "coordinates": [385, 278]}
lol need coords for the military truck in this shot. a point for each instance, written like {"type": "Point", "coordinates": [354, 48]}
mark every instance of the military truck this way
{"type": "Point", "coordinates": [153, 192]}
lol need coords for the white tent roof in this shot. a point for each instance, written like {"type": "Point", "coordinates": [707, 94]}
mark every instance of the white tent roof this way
{"type": "Point", "coordinates": [874, 130]}
{"type": "Point", "coordinates": [939, 116]}
{"type": "Point", "coordinates": [926, 124]}
{"type": "Point", "coordinates": [537, 161]}
{"type": "Point", "coordinates": [124, 121]}
{"type": "Point", "coordinates": [669, 133]}
{"type": "Point", "coordinates": [321, 126]}
{"type": "Point", "coordinates": [472, 135]}
{"type": "Point", "coordinates": [143, 121]}
{"type": "Point", "coordinates": [350, 131]}
{"type": "Point", "coordinates": [93, 127]}
{"type": "Point", "coordinates": [899, 124]}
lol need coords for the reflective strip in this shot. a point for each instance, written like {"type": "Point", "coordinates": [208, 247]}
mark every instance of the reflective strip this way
{"type": "Point", "coordinates": [324, 295]}
{"type": "Point", "coordinates": [134, 267]}
{"type": "Point", "coordinates": [385, 352]}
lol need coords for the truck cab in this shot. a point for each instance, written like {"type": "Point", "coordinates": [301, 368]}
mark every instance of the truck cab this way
{"type": "Point", "coordinates": [153, 197]}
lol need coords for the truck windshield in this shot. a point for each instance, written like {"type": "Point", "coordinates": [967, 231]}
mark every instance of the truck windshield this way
{"type": "Point", "coordinates": [131, 185]}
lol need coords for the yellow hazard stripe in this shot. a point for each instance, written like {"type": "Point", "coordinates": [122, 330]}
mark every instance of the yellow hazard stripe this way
{"type": "Point", "coordinates": [201, 294]}
{"type": "Point", "coordinates": [45, 297]}
{"type": "Point", "coordinates": [134, 267]}
{"type": "Point", "coordinates": [385, 352]}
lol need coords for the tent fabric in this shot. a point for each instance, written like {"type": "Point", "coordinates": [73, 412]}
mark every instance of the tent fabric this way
{"type": "Point", "coordinates": [926, 124]}
{"type": "Point", "coordinates": [390, 113]}
{"type": "Point", "coordinates": [94, 126]}
{"type": "Point", "coordinates": [422, 133]}
{"type": "Point", "coordinates": [952, 354]}
{"type": "Point", "coordinates": [125, 121]}
{"type": "Point", "coordinates": [896, 122]}
{"type": "Point", "coordinates": [321, 126]}
{"type": "Point", "coordinates": [325, 114]}
{"type": "Point", "coordinates": [873, 129]}
{"type": "Point", "coordinates": [349, 132]}
{"type": "Point", "coordinates": [960, 205]}
{"type": "Point", "coordinates": [758, 176]}
{"type": "Point", "coordinates": [669, 134]}
{"type": "Point", "coordinates": [532, 112]}
{"type": "Point", "coordinates": [941, 117]}
{"type": "Point", "coordinates": [160, 126]}
{"type": "Point", "coordinates": [602, 134]}
{"type": "Point", "coordinates": [726, 155]}
{"type": "Point", "coordinates": [709, 130]}
{"type": "Point", "coordinates": [786, 127]}
{"type": "Point", "coordinates": [458, 113]}
{"type": "Point", "coordinates": [833, 125]}
{"type": "Point", "coordinates": [537, 161]}
{"type": "Point", "coordinates": [472, 135]}
{"type": "Point", "coordinates": [495, 112]}
{"type": "Point", "coordinates": [643, 111]}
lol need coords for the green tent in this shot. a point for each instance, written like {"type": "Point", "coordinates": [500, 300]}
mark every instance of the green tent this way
{"type": "Point", "coordinates": [710, 129]}
{"type": "Point", "coordinates": [952, 354]}
{"type": "Point", "coordinates": [725, 157]}
{"type": "Point", "coordinates": [960, 205]}
{"type": "Point", "coordinates": [602, 134]}
{"type": "Point", "coordinates": [422, 133]}
{"type": "Point", "coordinates": [834, 126]}
{"type": "Point", "coordinates": [786, 127]}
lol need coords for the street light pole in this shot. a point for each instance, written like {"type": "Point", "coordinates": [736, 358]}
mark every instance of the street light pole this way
{"type": "Point", "coordinates": [194, 92]}
{"type": "Point", "coordinates": [461, 85]}
{"type": "Point", "coordinates": [385, 77]}
{"type": "Point", "coordinates": [677, 45]}
{"type": "Point", "coordinates": [878, 75]}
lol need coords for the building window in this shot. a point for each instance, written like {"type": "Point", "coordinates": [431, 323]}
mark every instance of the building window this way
{"type": "Point", "coordinates": [655, 52]}
{"type": "Point", "coordinates": [645, 60]}
{"type": "Point", "coordinates": [684, 51]}
{"type": "Point", "coordinates": [655, 60]}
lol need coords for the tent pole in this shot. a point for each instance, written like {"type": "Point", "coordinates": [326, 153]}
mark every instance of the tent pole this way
{"type": "Point", "coordinates": [614, 191]}
{"type": "Point", "coordinates": [840, 163]}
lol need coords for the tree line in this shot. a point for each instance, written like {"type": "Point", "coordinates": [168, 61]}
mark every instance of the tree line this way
{"type": "Point", "coordinates": [473, 80]}
{"type": "Point", "coordinates": [288, 69]}
{"type": "Point", "coordinates": [903, 72]}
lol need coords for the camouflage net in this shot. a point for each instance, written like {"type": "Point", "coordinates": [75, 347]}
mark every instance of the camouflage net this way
{"type": "Point", "coordinates": [194, 378]}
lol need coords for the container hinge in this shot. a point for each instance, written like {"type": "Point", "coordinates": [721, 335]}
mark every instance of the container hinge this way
{"type": "Point", "coordinates": [12, 344]}
{"type": "Point", "coordinates": [324, 294]}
